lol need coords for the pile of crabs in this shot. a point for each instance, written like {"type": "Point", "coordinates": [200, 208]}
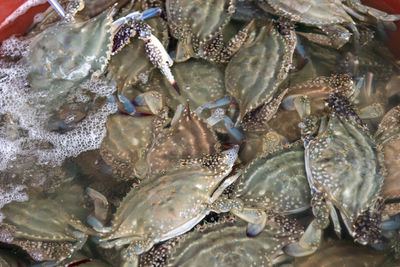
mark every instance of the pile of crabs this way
{"type": "Point", "coordinates": [243, 133]}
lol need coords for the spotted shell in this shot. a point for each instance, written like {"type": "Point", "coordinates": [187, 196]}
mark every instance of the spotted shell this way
{"type": "Point", "coordinates": [343, 162]}
{"type": "Point", "coordinates": [61, 57]}
{"type": "Point", "coordinates": [277, 181]}
{"type": "Point", "coordinates": [202, 84]}
{"type": "Point", "coordinates": [198, 19]}
{"type": "Point", "coordinates": [310, 12]}
{"type": "Point", "coordinates": [169, 204]}
{"type": "Point", "coordinates": [255, 71]}
{"type": "Point", "coordinates": [126, 143]}
{"type": "Point", "coordinates": [388, 135]}
{"type": "Point", "coordinates": [42, 228]}
{"type": "Point", "coordinates": [226, 244]}
{"type": "Point", "coordinates": [189, 138]}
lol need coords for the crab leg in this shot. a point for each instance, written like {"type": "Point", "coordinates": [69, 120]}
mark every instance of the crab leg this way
{"type": "Point", "coordinates": [215, 104]}
{"type": "Point", "coordinates": [146, 14]}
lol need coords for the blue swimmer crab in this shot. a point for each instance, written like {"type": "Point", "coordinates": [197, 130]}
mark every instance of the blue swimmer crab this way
{"type": "Point", "coordinates": [256, 87]}
{"type": "Point", "coordinates": [271, 186]}
{"type": "Point", "coordinates": [344, 171]}
{"type": "Point", "coordinates": [198, 25]}
{"type": "Point", "coordinates": [223, 243]}
{"type": "Point", "coordinates": [388, 136]}
{"type": "Point", "coordinates": [67, 54]}
{"type": "Point", "coordinates": [130, 133]}
{"type": "Point", "coordinates": [43, 229]}
{"type": "Point", "coordinates": [188, 136]}
{"type": "Point", "coordinates": [328, 16]}
{"type": "Point", "coordinates": [257, 94]}
{"type": "Point", "coordinates": [167, 205]}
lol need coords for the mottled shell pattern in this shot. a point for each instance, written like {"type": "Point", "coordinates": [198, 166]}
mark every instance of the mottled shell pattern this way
{"type": "Point", "coordinates": [277, 181]}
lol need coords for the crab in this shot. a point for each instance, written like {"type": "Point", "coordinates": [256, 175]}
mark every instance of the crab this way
{"type": "Point", "coordinates": [271, 187]}
{"type": "Point", "coordinates": [255, 89]}
{"type": "Point", "coordinates": [206, 85]}
{"type": "Point", "coordinates": [167, 205]}
{"type": "Point", "coordinates": [257, 95]}
{"type": "Point", "coordinates": [130, 65]}
{"type": "Point", "coordinates": [318, 89]}
{"type": "Point", "coordinates": [198, 25]}
{"type": "Point", "coordinates": [223, 243]}
{"type": "Point", "coordinates": [43, 229]}
{"type": "Point", "coordinates": [159, 143]}
{"type": "Point", "coordinates": [344, 171]}
{"type": "Point", "coordinates": [61, 58]}
{"type": "Point", "coordinates": [188, 136]}
{"type": "Point", "coordinates": [346, 253]}
{"type": "Point", "coordinates": [125, 153]}
{"type": "Point", "coordinates": [329, 16]}
{"type": "Point", "coordinates": [388, 136]}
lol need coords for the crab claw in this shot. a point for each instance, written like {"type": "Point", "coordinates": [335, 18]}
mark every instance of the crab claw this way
{"type": "Point", "coordinates": [160, 58]}
{"type": "Point", "coordinates": [156, 52]}
{"type": "Point", "coordinates": [146, 14]}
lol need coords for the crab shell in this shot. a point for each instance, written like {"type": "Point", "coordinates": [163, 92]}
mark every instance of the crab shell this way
{"type": "Point", "coordinates": [324, 12]}
{"type": "Point", "coordinates": [65, 55]}
{"type": "Point", "coordinates": [225, 244]}
{"type": "Point", "coordinates": [311, 12]}
{"type": "Point", "coordinates": [43, 229]}
{"type": "Point", "coordinates": [344, 164]}
{"type": "Point", "coordinates": [170, 204]}
{"type": "Point", "coordinates": [197, 20]}
{"type": "Point", "coordinates": [277, 181]}
{"type": "Point", "coordinates": [125, 144]}
{"type": "Point", "coordinates": [267, 56]}
{"type": "Point", "coordinates": [388, 135]}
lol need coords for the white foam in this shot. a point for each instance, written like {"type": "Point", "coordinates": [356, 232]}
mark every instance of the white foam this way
{"type": "Point", "coordinates": [28, 113]}
{"type": "Point", "coordinates": [12, 193]}
{"type": "Point", "coordinates": [14, 48]}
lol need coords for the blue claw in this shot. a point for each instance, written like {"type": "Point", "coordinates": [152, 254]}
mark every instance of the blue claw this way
{"type": "Point", "coordinates": [150, 13]}
{"type": "Point", "coordinates": [94, 222]}
{"type": "Point", "coordinates": [215, 104]}
{"type": "Point", "coordinates": [389, 225]}
{"type": "Point", "coordinates": [128, 106]}
{"type": "Point", "coordinates": [235, 132]}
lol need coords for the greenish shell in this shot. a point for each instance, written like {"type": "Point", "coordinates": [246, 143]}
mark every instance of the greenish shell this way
{"type": "Point", "coordinates": [61, 57]}
{"type": "Point", "coordinates": [200, 81]}
{"type": "Point", "coordinates": [311, 12]}
{"type": "Point", "coordinates": [126, 144]}
{"type": "Point", "coordinates": [42, 228]}
{"type": "Point", "coordinates": [169, 204]}
{"type": "Point", "coordinates": [226, 244]}
{"type": "Point", "coordinates": [255, 71]}
{"type": "Point", "coordinates": [277, 181]}
{"type": "Point", "coordinates": [388, 135]}
{"type": "Point", "coordinates": [200, 19]}
{"type": "Point", "coordinates": [189, 138]}
{"type": "Point", "coordinates": [343, 162]}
